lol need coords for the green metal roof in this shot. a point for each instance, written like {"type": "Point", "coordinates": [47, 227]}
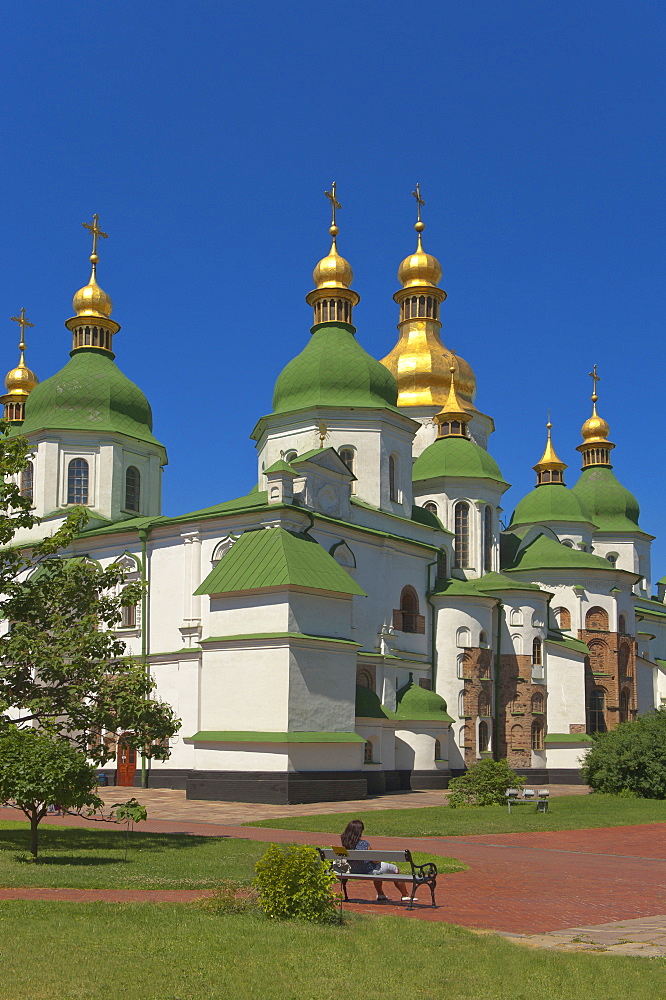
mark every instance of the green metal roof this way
{"type": "Point", "coordinates": [545, 553]}
{"type": "Point", "coordinates": [554, 635]}
{"type": "Point", "coordinates": [485, 586]}
{"type": "Point", "coordinates": [613, 508]}
{"type": "Point", "coordinates": [274, 557]}
{"type": "Point", "coordinates": [268, 636]}
{"type": "Point", "coordinates": [550, 502]}
{"type": "Point", "coordinates": [233, 736]}
{"type": "Point", "coordinates": [368, 705]}
{"type": "Point", "coordinates": [568, 738]}
{"type": "Point", "coordinates": [498, 581]}
{"type": "Point", "coordinates": [418, 704]}
{"type": "Point", "coordinates": [455, 457]}
{"type": "Point", "coordinates": [334, 370]}
{"type": "Point", "coordinates": [281, 466]}
{"type": "Point", "coordinates": [90, 393]}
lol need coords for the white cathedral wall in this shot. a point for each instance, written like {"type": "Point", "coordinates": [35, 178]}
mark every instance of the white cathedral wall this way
{"type": "Point", "coordinates": [458, 627]}
{"type": "Point", "coordinates": [245, 690]}
{"type": "Point", "coordinates": [565, 704]}
{"type": "Point", "coordinates": [241, 757]}
{"type": "Point", "coordinates": [325, 756]}
{"type": "Point", "coordinates": [415, 747]}
{"type": "Point", "coordinates": [248, 614]}
{"type": "Point", "coordinates": [321, 690]}
{"type": "Point", "coordinates": [632, 551]}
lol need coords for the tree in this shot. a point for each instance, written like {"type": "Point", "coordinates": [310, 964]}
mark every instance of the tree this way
{"type": "Point", "coordinates": [630, 758]}
{"type": "Point", "coordinates": [484, 784]}
{"type": "Point", "coordinates": [62, 668]}
{"type": "Point", "coordinates": [37, 770]}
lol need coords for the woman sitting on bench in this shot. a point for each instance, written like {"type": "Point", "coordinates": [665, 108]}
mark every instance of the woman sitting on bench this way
{"type": "Point", "coordinates": [351, 839]}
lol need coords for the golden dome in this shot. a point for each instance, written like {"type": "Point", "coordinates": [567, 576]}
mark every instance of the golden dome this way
{"type": "Point", "coordinates": [421, 366]}
{"type": "Point", "coordinates": [333, 271]}
{"type": "Point", "coordinates": [91, 300]}
{"type": "Point", "coordinates": [420, 268]}
{"type": "Point", "coordinates": [549, 461]}
{"type": "Point", "coordinates": [595, 429]}
{"type": "Point", "coordinates": [20, 380]}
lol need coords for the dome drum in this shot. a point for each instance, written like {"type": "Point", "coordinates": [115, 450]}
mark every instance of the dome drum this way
{"type": "Point", "coordinates": [89, 331]}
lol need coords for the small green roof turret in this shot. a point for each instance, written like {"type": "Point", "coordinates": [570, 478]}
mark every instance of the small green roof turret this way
{"type": "Point", "coordinates": [420, 704]}
{"type": "Point", "coordinates": [456, 457]}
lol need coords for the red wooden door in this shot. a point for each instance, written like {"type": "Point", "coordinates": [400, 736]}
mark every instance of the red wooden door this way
{"type": "Point", "coordinates": [126, 763]}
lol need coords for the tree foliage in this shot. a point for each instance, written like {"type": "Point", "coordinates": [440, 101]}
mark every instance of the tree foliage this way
{"type": "Point", "coordinates": [484, 784]}
{"type": "Point", "coordinates": [62, 667]}
{"type": "Point", "coordinates": [37, 770]}
{"type": "Point", "coordinates": [630, 758]}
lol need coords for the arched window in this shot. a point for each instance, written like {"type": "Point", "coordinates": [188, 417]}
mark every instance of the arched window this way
{"type": "Point", "coordinates": [622, 625]}
{"type": "Point", "coordinates": [431, 506]}
{"type": "Point", "coordinates": [464, 666]}
{"type": "Point", "coordinates": [463, 637]}
{"type": "Point", "coordinates": [484, 740]}
{"type": "Point", "coordinates": [517, 641]}
{"type": "Point", "coordinates": [516, 617]}
{"type": "Point", "coordinates": [537, 735]}
{"type": "Point", "coordinates": [537, 702]}
{"type": "Point", "coordinates": [368, 752]}
{"type": "Point", "coordinates": [488, 539]}
{"type": "Point", "coordinates": [407, 618]}
{"type": "Point", "coordinates": [27, 481]}
{"type": "Point", "coordinates": [597, 655]}
{"type": "Point", "coordinates": [484, 666]}
{"type": "Point", "coordinates": [596, 719]}
{"type": "Point", "coordinates": [129, 616]}
{"type": "Point", "coordinates": [514, 705]}
{"type": "Point", "coordinates": [438, 750]}
{"type": "Point", "coordinates": [623, 658]}
{"type": "Point", "coordinates": [347, 456]}
{"type": "Point", "coordinates": [484, 705]}
{"type": "Point", "coordinates": [364, 679]}
{"type": "Point", "coordinates": [132, 488]}
{"type": "Point", "coordinates": [483, 638]}
{"type": "Point", "coordinates": [442, 565]}
{"type": "Point", "coordinates": [612, 558]}
{"type": "Point", "coordinates": [563, 618]}
{"type": "Point", "coordinates": [291, 455]}
{"type": "Point", "coordinates": [596, 620]}
{"type": "Point", "coordinates": [569, 544]}
{"type": "Point", "coordinates": [537, 658]}
{"type": "Point", "coordinates": [463, 707]}
{"type": "Point", "coordinates": [77, 481]}
{"type": "Point", "coordinates": [463, 736]}
{"type": "Point", "coordinates": [516, 738]}
{"type": "Point", "coordinates": [393, 479]}
{"type": "Point", "coordinates": [624, 704]}
{"type": "Point", "coordinates": [461, 523]}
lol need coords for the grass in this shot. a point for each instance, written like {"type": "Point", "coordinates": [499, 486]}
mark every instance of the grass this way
{"type": "Point", "coordinates": [88, 951]}
{"type": "Point", "coordinates": [71, 857]}
{"type": "Point", "coordinates": [567, 812]}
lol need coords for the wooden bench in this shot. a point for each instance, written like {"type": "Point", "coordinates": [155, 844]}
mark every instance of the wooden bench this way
{"type": "Point", "coordinates": [338, 859]}
{"type": "Point", "coordinates": [540, 800]}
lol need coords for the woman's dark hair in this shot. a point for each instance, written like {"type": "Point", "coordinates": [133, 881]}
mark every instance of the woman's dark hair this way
{"type": "Point", "coordinates": [352, 834]}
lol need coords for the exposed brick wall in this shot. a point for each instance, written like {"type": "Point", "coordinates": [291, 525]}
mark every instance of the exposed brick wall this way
{"type": "Point", "coordinates": [611, 666]}
{"type": "Point", "coordinates": [516, 708]}
{"type": "Point", "coordinates": [478, 689]}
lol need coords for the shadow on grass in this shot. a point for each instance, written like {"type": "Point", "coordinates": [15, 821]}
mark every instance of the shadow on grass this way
{"type": "Point", "coordinates": [74, 839]}
{"type": "Point", "coordinates": [65, 860]}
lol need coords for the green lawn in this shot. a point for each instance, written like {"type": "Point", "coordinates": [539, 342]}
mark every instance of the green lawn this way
{"type": "Point", "coordinates": [92, 951]}
{"type": "Point", "coordinates": [94, 859]}
{"type": "Point", "coordinates": [567, 812]}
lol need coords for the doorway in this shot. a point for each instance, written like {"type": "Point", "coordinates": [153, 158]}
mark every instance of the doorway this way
{"type": "Point", "coordinates": [126, 763]}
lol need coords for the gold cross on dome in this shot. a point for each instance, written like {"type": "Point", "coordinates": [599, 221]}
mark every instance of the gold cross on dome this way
{"type": "Point", "coordinates": [95, 230]}
{"type": "Point", "coordinates": [22, 322]}
{"type": "Point", "coordinates": [419, 201]}
{"type": "Point", "coordinates": [322, 432]}
{"type": "Point", "coordinates": [595, 378]}
{"type": "Point", "coordinates": [335, 204]}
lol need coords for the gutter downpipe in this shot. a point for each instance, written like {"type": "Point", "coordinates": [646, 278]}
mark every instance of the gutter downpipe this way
{"type": "Point", "coordinates": [498, 651]}
{"type": "Point", "coordinates": [433, 655]}
{"type": "Point", "coordinates": [143, 536]}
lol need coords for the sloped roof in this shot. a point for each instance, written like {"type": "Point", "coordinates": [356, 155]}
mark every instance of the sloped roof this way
{"type": "Point", "coordinates": [545, 553]}
{"type": "Point", "coordinates": [274, 557]}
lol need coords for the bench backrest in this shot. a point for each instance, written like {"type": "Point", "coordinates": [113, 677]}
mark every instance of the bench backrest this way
{"type": "Point", "coordinates": [391, 857]}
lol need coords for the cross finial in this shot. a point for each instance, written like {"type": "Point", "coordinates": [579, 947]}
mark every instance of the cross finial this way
{"type": "Point", "coordinates": [96, 231]}
{"type": "Point", "coordinates": [595, 378]}
{"type": "Point", "coordinates": [335, 205]}
{"type": "Point", "coordinates": [22, 322]}
{"type": "Point", "coordinates": [419, 201]}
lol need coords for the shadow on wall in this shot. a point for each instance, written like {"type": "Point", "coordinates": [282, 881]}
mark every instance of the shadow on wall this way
{"type": "Point", "coordinates": [404, 756]}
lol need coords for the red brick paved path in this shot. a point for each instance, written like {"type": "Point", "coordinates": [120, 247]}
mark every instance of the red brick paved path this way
{"type": "Point", "coordinates": [522, 883]}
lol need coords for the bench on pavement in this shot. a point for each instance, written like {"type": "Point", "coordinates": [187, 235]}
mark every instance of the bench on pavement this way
{"type": "Point", "coordinates": [339, 859]}
{"type": "Point", "coordinates": [513, 798]}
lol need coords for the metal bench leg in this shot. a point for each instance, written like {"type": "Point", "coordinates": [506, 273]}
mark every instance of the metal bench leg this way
{"type": "Point", "coordinates": [343, 883]}
{"type": "Point", "coordinates": [410, 904]}
{"type": "Point", "coordinates": [432, 896]}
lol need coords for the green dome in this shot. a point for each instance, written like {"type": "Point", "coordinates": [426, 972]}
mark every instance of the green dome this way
{"type": "Point", "coordinates": [455, 456]}
{"type": "Point", "coordinates": [90, 393]}
{"type": "Point", "coordinates": [415, 702]}
{"type": "Point", "coordinates": [334, 370]}
{"type": "Point", "coordinates": [368, 705]}
{"type": "Point", "coordinates": [613, 508]}
{"type": "Point", "coordinates": [550, 502]}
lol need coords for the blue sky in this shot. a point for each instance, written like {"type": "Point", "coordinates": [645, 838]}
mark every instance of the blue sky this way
{"type": "Point", "coordinates": [204, 135]}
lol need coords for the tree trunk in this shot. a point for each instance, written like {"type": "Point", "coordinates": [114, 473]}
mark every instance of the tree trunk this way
{"type": "Point", "coordinates": [34, 821]}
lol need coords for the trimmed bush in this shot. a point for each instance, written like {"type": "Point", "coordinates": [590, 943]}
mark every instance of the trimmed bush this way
{"type": "Point", "coordinates": [630, 759]}
{"type": "Point", "coordinates": [484, 784]}
{"type": "Point", "coordinates": [293, 882]}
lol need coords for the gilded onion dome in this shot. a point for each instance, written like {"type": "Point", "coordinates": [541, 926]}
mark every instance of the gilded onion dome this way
{"type": "Point", "coordinates": [333, 271]}
{"type": "Point", "coordinates": [419, 361]}
{"type": "Point", "coordinates": [596, 447]}
{"type": "Point", "coordinates": [91, 300]}
{"type": "Point", "coordinates": [549, 468]}
{"type": "Point", "coordinates": [91, 325]}
{"type": "Point", "coordinates": [20, 381]}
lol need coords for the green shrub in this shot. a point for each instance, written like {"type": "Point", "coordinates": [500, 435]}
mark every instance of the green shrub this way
{"type": "Point", "coordinates": [292, 881]}
{"type": "Point", "coordinates": [630, 759]}
{"type": "Point", "coordinates": [484, 784]}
